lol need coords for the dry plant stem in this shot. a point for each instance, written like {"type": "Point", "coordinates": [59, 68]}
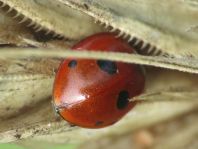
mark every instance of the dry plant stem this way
{"type": "Point", "coordinates": [22, 77]}
{"type": "Point", "coordinates": [15, 92]}
{"type": "Point", "coordinates": [186, 65]}
{"type": "Point", "coordinates": [179, 133]}
{"type": "Point", "coordinates": [168, 94]}
{"type": "Point", "coordinates": [12, 33]}
{"type": "Point", "coordinates": [52, 129]}
{"type": "Point", "coordinates": [171, 95]}
{"type": "Point", "coordinates": [187, 136]}
{"type": "Point", "coordinates": [40, 15]}
{"type": "Point", "coordinates": [39, 121]}
{"type": "Point", "coordinates": [129, 18]}
{"type": "Point", "coordinates": [24, 83]}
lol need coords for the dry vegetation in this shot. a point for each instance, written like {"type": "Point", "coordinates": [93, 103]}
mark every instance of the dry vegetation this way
{"type": "Point", "coordinates": [35, 35]}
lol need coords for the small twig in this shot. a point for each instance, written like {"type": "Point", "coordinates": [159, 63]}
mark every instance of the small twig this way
{"type": "Point", "coordinates": [173, 96]}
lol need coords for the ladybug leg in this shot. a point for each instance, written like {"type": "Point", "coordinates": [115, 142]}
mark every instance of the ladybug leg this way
{"type": "Point", "coordinates": [55, 110]}
{"type": "Point", "coordinates": [54, 71]}
{"type": "Point", "coordinates": [71, 124]}
{"type": "Point", "coordinates": [57, 114]}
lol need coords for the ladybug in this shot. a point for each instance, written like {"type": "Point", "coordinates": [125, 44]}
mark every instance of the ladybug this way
{"type": "Point", "coordinates": [95, 93]}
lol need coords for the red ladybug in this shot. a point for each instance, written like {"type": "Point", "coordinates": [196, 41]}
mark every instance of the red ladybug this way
{"type": "Point", "coordinates": [94, 93]}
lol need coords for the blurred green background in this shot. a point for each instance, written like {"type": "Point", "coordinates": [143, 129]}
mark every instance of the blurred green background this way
{"type": "Point", "coordinates": [15, 146]}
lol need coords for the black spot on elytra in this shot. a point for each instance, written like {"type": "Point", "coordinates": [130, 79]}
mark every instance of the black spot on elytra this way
{"type": "Point", "coordinates": [107, 66]}
{"type": "Point", "coordinates": [98, 123]}
{"type": "Point", "coordinates": [72, 63]}
{"type": "Point", "coordinates": [123, 99]}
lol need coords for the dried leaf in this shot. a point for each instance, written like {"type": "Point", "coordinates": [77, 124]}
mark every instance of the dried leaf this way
{"type": "Point", "coordinates": [145, 114]}
{"type": "Point", "coordinates": [166, 36]}
{"type": "Point", "coordinates": [40, 15]}
{"type": "Point", "coordinates": [158, 23]}
{"type": "Point", "coordinates": [182, 64]}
